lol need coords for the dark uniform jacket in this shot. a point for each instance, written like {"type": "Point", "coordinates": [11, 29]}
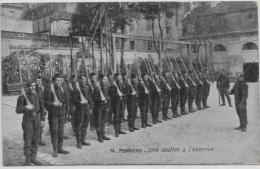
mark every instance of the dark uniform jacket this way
{"type": "Point", "coordinates": [36, 101]}
{"type": "Point", "coordinates": [223, 82]}
{"type": "Point", "coordinates": [61, 96]}
{"type": "Point", "coordinates": [86, 92]}
{"type": "Point", "coordinates": [97, 94]}
{"type": "Point", "coordinates": [240, 90]}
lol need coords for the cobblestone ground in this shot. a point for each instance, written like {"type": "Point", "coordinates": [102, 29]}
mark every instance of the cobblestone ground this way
{"type": "Point", "coordinates": [204, 137]}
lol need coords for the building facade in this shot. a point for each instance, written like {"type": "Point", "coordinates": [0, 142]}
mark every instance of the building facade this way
{"type": "Point", "coordinates": [232, 30]}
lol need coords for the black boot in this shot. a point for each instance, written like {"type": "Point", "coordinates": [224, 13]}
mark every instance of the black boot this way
{"type": "Point", "coordinates": [104, 136]}
{"type": "Point", "coordinates": [36, 162]}
{"type": "Point", "coordinates": [27, 161]}
{"type": "Point", "coordinates": [119, 129]}
{"type": "Point", "coordinates": [116, 130]}
{"type": "Point", "coordinates": [100, 139]}
{"type": "Point", "coordinates": [135, 128]}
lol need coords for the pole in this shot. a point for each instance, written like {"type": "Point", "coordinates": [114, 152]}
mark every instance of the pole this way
{"type": "Point", "coordinates": [101, 47]}
{"type": "Point", "coordinates": [114, 54]}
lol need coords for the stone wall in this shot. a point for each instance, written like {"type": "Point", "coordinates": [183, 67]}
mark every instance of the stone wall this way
{"type": "Point", "coordinates": [234, 57]}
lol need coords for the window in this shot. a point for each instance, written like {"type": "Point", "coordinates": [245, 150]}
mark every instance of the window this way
{"type": "Point", "coordinates": [250, 15]}
{"type": "Point", "coordinates": [132, 45]}
{"type": "Point", "coordinates": [195, 48]}
{"type": "Point", "coordinates": [219, 48]}
{"type": "Point", "coordinates": [149, 45]}
{"type": "Point", "coordinates": [148, 25]}
{"type": "Point", "coordinates": [132, 26]}
{"type": "Point", "coordinates": [44, 24]}
{"type": "Point", "coordinates": [249, 46]}
{"type": "Point", "coordinates": [168, 29]}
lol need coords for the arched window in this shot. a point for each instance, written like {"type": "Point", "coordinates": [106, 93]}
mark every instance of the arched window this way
{"type": "Point", "coordinates": [249, 46]}
{"type": "Point", "coordinates": [219, 48]}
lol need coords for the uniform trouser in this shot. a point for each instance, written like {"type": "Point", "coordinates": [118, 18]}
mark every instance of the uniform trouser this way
{"type": "Point", "coordinates": [143, 106]}
{"type": "Point", "coordinates": [155, 106]}
{"type": "Point", "coordinates": [191, 98]}
{"type": "Point", "coordinates": [132, 106]}
{"type": "Point", "coordinates": [223, 94]}
{"type": "Point", "coordinates": [100, 117]}
{"type": "Point", "coordinates": [175, 98]}
{"type": "Point", "coordinates": [242, 114]}
{"type": "Point", "coordinates": [198, 97]}
{"type": "Point", "coordinates": [92, 120]}
{"type": "Point", "coordinates": [205, 96]}
{"type": "Point", "coordinates": [82, 119]}
{"type": "Point", "coordinates": [31, 135]}
{"type": "Point", "coordinates": [109, 112]}
{"type": "Point", "coordinates": [165, 104]}
{"type": "Point", "coordinates": [56, 124]}
{"type": "Point", "coordinates": [117, 109]}
{"type": "Point", "coordinates": [124, 107]}
{"type": "Point", "coordinates": [72, 115]}
{"type": "Point", "coordinates": [183, 99]}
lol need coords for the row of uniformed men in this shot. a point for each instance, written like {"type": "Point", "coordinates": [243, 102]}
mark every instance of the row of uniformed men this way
{"type": "Point", "coordinates": [103, 99]}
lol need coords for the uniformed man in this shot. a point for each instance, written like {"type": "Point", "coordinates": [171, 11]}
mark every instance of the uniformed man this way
{"type": "Point", "coordinates": [101, 106]}
{"type": "Point", "coordinates": [166, 95]}
{"type": "Point", "coordinates": [109, 118]}
{"type": "Point", "coordinates": [116, 94]}
{"type": "Point", "coordinates": [72, 107]}
{"type": "Point", "coordinates": [124, 80]}
{"type": "Point", "coordinates": [155, 98]}
{"type": "Point", "coordinates": [40, 91]}
{"type": "Point", "coordinates": [82, 97]}
{"type": "Point", "coordinates": [205, 91]}
{"type": "Point", "coordinates": [131, 101]}
{"type": "Point", "coordinates": [223, 86]}
{"type": "Point", "coordinates": [144, 100]}
{"type": "Point", "coordinates": [175, 95]}
{"type": "Point", "coordinates": [57, 106]}
{"type": "Point", "coordinates": [198, 97]}
{"type": "Point", "coordinates": [183, 93]}
{"type": "Point", "coordinates": [192, 91]}
{"type": "Point", "coordinates": [240, 91]}
{"type": "Point", "coordinates": [30, 104]}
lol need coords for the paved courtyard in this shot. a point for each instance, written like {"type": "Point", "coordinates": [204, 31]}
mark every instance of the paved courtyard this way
{"type": "Point", "coordinates": [204, 137]}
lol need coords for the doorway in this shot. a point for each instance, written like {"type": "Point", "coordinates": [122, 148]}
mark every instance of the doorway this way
{"type": "Point", "coordinates": [251, 72]}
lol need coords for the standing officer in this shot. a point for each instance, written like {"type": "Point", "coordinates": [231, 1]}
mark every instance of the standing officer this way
{"type": "Point", "coordinates": [57, 107]}
{"type": "Point", "coordinates": [183, 93]}
{"type": "Point", "coordinates": [166, 95]}
{"type": "Point", "coordinates": [191, 92]}
{"type": "Point", "coordinates": [101, 98]}
{"type": "Point", "coordinates": [240, 91]}
{"type": "Point", "coordinates": [131, 101]}
{"type": "Point", "coordinates": [223, 86]}
{"type": "Point", "coordinates": [155, 97]}
{"type": "Point", "coordinates": [199, 85]}
{"type": "Point", "coordinates": [30, 104]}
{"type": "Point", "coordinates": [40, 91]}
{"type": "Point", "coordinates": [72, 107]}
{"type": "Point", "coordinates": [175, 95]}
{"type": "Point", "coordinates": [116, 93]}
{"type": "Point", "coordinates": [144, 100]}
{"type": "Point", "coordinates": [110, 113]}
{"type": "Point", "coordinates": [82, 98]}
{"type": "Point", "coordinates": [205, 92]}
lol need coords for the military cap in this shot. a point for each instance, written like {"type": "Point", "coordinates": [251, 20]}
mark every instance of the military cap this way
{"type": "Point", "coordinates": [92, 74]}
{"type": "Point", "coordinates": [101, 76]}
{"type": "Point", "coordinates": [117, 74]}
{"type": "Point", "coordinates": [57, 75]}
{"type": "Point", "coordinates": [133, 75]}
{"type": "Point", "coordinates": [29, 83]}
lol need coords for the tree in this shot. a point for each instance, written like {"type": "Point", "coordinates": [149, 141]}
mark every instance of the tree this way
{"type": "Point", "coordinates": [118, 15]}
{"type": "Point", "coordinates": [155, 11]}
